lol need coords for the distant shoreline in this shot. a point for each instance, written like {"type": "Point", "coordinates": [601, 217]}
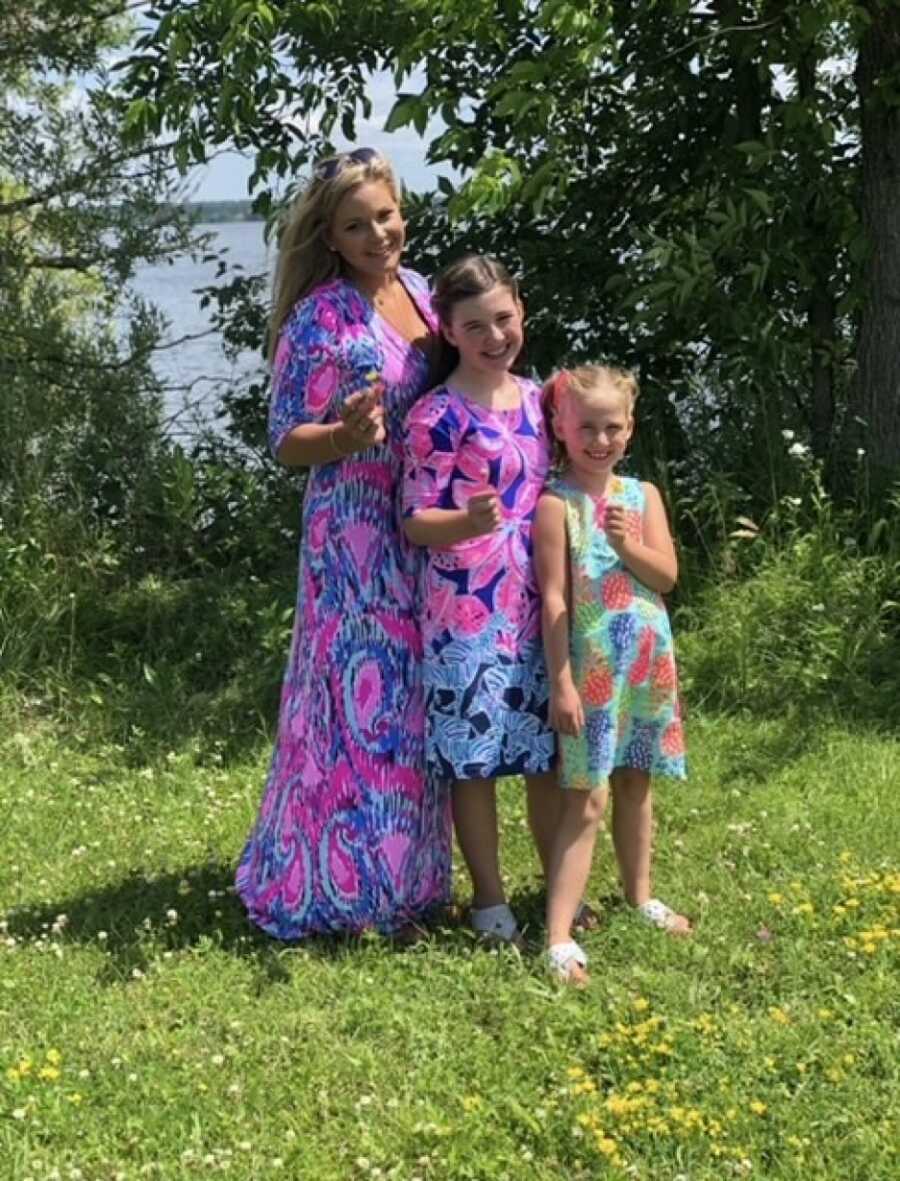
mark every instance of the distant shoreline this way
{"type": "Point", "coordinates": [218, 211]}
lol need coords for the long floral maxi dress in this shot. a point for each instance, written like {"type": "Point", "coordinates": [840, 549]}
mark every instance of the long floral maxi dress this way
{"type": "Point", "coordinates": [486, 688]}
{"type": "Point", "coordinates": [351, 834]}
{"type": "Point", "coordinates": [623, 662]}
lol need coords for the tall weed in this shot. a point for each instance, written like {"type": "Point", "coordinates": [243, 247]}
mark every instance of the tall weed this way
{"type": "Point", "coordinates": [800, 612]}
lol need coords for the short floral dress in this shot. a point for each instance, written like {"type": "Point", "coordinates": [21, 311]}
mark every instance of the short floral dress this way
{"type": "Point", "coordinates": [486, 689]}
{"type": "Point", "coordinates": [623, 662]}
{"type": "Point", "coordinates": [351, 834]}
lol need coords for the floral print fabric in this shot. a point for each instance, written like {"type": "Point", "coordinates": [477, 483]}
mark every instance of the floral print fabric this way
{"type": "Point", "coordinates": [623, 662]}
{"type": "Point", "coordinates": [485, 680]}
{"type": "Point", "coordinates": [351, 833]}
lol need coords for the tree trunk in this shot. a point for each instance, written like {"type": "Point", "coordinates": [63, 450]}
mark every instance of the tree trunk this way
{"type": "Point", "coordinates": [877, 398]}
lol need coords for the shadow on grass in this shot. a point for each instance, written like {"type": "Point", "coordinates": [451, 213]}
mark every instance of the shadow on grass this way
{"type": "Point", "coordinates": [140, 918]}
{"type": "Point", "coordinates": [769, 748]}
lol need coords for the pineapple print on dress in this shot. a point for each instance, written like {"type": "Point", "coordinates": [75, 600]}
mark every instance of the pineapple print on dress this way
{"type": "Point", "coordinates": [622, 656]}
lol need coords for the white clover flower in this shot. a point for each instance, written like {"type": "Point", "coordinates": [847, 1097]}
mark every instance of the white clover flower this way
{"type": "Point", "coordinates": [860, 452]}
{"type": "Point", "coordinates": [798, 450]}
{"type": "Point", "coordinates": [787, 436]}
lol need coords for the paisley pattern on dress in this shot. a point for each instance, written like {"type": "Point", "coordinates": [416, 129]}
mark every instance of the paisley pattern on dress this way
{"type": "Point", "coordinates": [486, 688]}
{"type": "Point", "coordinates": [351, 834]}
{"type": "Point", "coordinates": [623, 661]}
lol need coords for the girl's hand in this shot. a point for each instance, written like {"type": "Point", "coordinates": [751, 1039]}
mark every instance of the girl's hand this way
{"type": "Point", "coordinates": [484, 513]}
{"type": "Point", "coordinates": [615, 526]}
{"type": "Point", "coordinates": [363, 417]}
{"type": "Point", "coordinates": [566, 711]}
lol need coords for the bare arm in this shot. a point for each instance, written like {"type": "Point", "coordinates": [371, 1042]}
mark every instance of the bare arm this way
{"type": "Point", "coordinates": [441, 527]}
{"type": "Point", "coordinates": [552, 569]}
{"type": "Point", "coordinates": [314, 443]}
{"type": "Point", "coordinates": [652, 561]}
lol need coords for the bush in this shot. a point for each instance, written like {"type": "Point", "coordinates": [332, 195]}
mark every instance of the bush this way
{"type": "Point", "coordinates": [798, 615]}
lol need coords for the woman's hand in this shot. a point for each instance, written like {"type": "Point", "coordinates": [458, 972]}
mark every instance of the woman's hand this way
{"type": "Point", "coordinates": [484, 512]}
{"type": "Point", "coordinates": [363, 417]}
{"type": "Point", "coordinates": [566, 710]}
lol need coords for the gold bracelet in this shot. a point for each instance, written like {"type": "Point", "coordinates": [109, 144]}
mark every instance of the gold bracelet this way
{"type": "Point", "coordinates": [332, 438]}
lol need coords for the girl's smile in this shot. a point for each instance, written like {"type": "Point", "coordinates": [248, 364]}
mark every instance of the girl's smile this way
{"type": "Point", "coordinates": [487, 330]}
{"type": "Point", "coordinates": [594, 431]}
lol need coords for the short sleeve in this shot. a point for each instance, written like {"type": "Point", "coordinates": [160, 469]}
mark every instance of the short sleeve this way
{"type": "Point", "coordinates": [306, 372]}
{"type": "Point", "coordinates": [431, 440]}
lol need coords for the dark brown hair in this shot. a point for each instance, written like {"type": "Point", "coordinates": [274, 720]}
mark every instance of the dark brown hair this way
{"type": "Point", "coordinates": [471, 275]}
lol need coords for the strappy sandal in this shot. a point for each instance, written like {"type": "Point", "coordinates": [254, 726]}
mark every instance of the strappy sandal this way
{"type": "Point", "coordinates": [664, 918]}
{"type": "Point", "coordinates": [496, 924]}
{"type": "Point", "coordinates": [567, 962]}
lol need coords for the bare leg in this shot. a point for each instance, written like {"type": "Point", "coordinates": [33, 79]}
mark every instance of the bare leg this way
{"type": "Point", "coordinates": [544, 806]}
{"type": "Point", "coordinates": [570, 859]}
{"type": "Point", "coordinates": [475, 821]}
{"type": "Point", "coordinates": [632, 830]}
{"type": "Point", "coordinates": [632, 836]}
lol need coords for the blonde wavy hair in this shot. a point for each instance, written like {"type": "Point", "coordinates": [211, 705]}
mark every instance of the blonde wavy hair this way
{"type": "Point", "coordinates": [581, 383]}
{"type": "Point", "coordinates": [304, 257]}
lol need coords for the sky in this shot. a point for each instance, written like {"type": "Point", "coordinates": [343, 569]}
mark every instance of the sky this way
{"type": "Point", "coordinates": [225, 178]}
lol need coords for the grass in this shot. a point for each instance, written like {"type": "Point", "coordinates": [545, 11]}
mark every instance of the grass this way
{"type": "Point", "coordinates": [147, 1031]}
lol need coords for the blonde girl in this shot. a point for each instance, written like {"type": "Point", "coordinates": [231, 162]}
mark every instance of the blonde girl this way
{"type": "Point", "coordinates": [604, 557]}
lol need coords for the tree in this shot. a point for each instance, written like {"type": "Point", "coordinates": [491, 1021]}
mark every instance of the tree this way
{"type": "Point", "coordinates": [79, 210]}
{"type": "Point", "coordinates": [704, 190]}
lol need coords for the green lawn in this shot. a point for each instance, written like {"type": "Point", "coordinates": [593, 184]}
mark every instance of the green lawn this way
{"type": "Point", "coordinates": [146, 1031]}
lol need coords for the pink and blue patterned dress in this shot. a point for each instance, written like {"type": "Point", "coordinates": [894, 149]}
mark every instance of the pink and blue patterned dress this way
{"type": "Point", "coordinates": [351, 834]}
{"type": "Point", "coordinates": [486, 689]}
{"type": "Point", "coordinates": [623, 662]}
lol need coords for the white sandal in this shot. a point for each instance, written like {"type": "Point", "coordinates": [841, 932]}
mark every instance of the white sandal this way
{"type": "Point", "coordinates": [664, 917]}
{"type": "Point", "coordinates": [567, 961]}
{"type": "Point", "coordinates": [495, 923]}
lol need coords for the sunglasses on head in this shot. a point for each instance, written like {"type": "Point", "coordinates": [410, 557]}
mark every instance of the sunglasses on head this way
{"type": "Point", "coordinates": [328, 168]}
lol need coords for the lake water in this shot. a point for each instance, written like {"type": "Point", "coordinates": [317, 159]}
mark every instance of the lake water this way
{"type": "Point", "coordinates": [195, 371]}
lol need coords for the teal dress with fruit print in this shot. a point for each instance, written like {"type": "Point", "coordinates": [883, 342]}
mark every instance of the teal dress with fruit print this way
{"type": "Point", "coordinates": [623, 662]}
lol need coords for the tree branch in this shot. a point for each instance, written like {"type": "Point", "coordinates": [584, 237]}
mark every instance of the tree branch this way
{"type": "Point", "coordinates": [77, 180]}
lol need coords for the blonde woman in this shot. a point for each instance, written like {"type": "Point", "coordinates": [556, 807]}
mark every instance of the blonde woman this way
{"type": "Point", "coordinates": [351, 834]}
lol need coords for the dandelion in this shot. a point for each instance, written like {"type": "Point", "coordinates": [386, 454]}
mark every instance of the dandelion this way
{"type": "Point", "coordinates": [779, 1016]}
{"type": "Point", "coordinates": [49, 1074]}
{"type": "Point", "coordinates": [757, 1107]}
{"type": "Point", "coordinates": [607, 1146]}
{"type": "Point", "coordinates": [640, 1004]}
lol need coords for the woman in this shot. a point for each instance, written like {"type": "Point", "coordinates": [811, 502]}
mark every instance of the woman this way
{"type": "Point", "coordinates": [351, 835]}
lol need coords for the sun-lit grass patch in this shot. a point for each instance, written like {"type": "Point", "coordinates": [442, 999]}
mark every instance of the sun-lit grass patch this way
{"type": "Point", "coordinates": [147, 1032]}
